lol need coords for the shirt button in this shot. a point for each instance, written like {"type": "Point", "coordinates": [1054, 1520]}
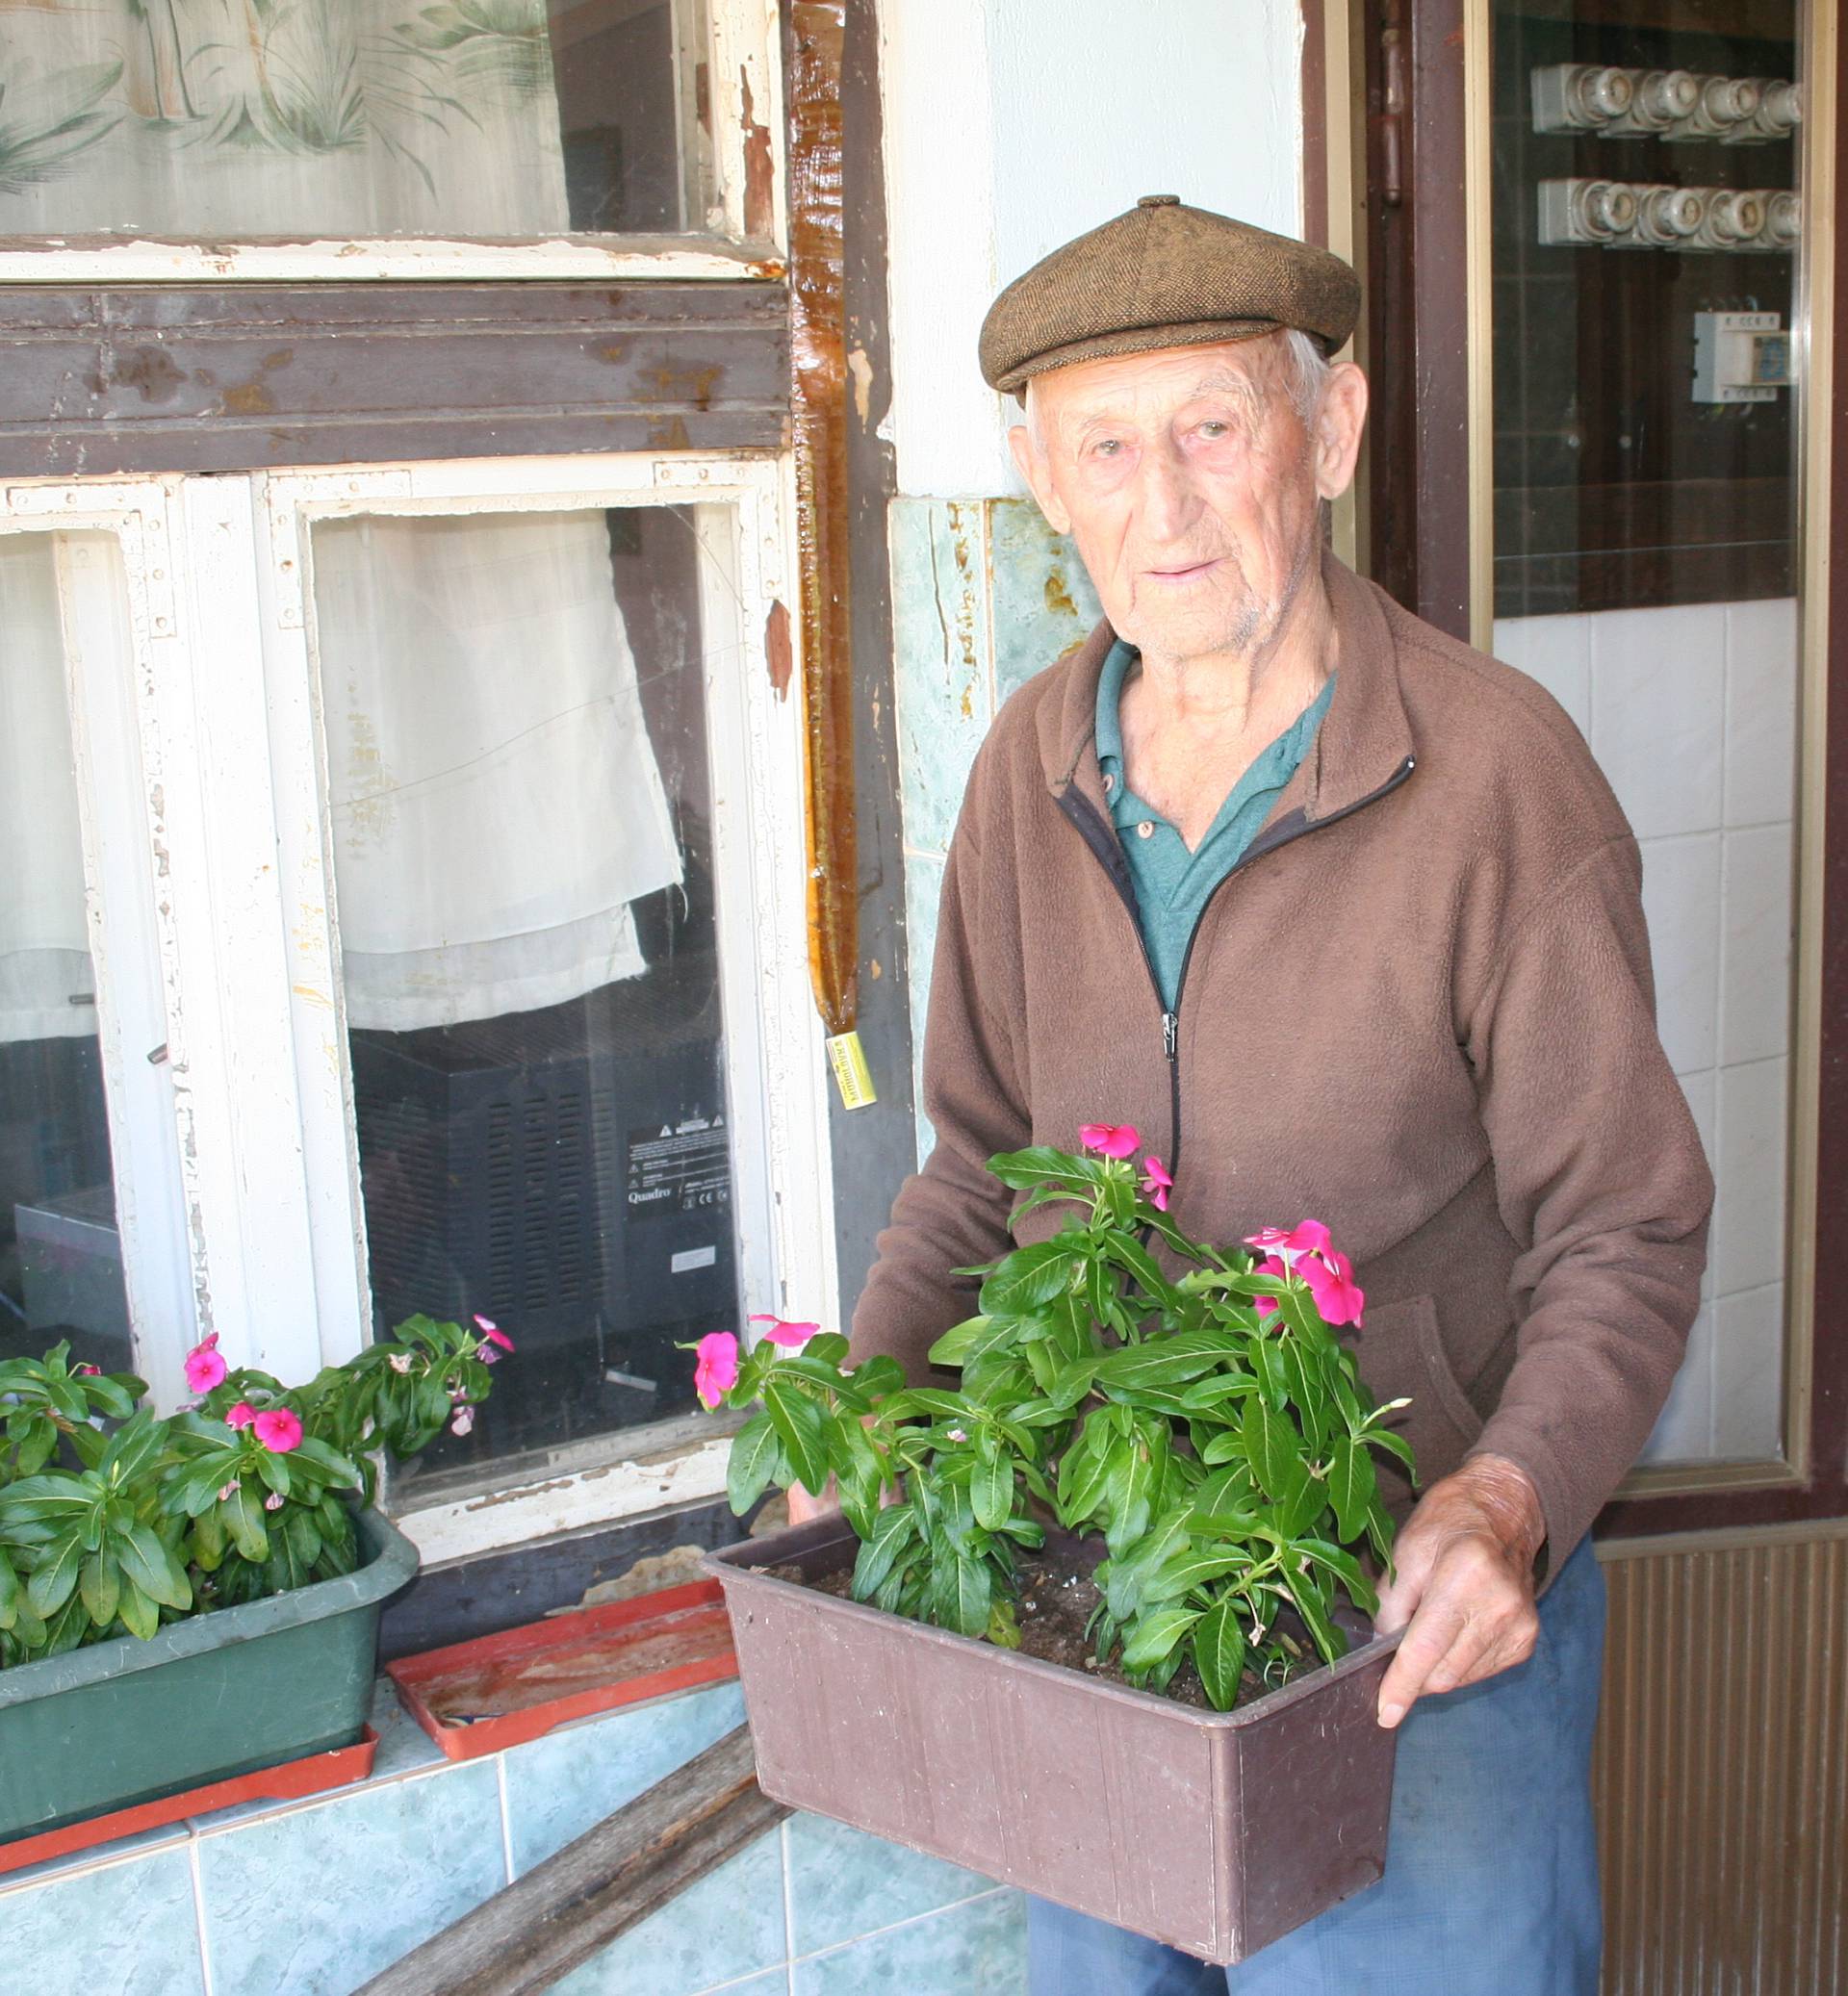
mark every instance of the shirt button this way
{"type": "Point", "coordinates": [1146, 830]}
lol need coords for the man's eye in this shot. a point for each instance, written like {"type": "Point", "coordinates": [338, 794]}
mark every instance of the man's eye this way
{"type": "Point", "coordinates": [1107, 446]}
{"type": "Point", "coordinates": [1215, 429]}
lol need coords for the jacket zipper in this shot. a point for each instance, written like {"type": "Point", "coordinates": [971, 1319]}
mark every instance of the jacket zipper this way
{"type": "Point", "coordinates": [1103, 843]}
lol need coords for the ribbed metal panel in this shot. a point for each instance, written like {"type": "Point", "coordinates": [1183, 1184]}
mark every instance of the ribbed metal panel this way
{"type": "Point", "coordinates": [1721, 1769]}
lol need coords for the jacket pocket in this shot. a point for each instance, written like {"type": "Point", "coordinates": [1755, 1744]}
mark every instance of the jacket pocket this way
{"type": "Point", "coordinates": [1401, 1353]}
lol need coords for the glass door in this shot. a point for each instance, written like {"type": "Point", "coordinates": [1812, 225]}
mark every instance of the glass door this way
{"type": "Point", "coordinates": [1648, 229]}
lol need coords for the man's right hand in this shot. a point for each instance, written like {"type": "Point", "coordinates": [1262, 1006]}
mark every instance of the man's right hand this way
{"type": "Point", "coordinates": [804, 1509]}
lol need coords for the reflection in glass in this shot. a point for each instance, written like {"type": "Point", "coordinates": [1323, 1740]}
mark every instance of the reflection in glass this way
{"type": "Point", "coordinates": [60, 1263]}
{"type": "Point", "coordinates": [522, 816]}
{"type": "Point", "coordinates": [1646, 232]}
{"type": "Point", "coordinates": [239, 119]}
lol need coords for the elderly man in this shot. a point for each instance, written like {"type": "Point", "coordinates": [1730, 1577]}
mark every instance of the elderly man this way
{"type": "Point", "coordinates": [1342, 915]}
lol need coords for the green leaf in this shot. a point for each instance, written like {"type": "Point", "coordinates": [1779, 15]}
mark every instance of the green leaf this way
{"type": "Point", "coordinates": [964, 1342]}
{"type": "Point", "coordinates": [1351, 1485]}
{"type": "Point", "coordinates": [894, 1533]}
{"type": "Point", "coordinates": [1346, 1568]}
{"type": "Point", "coordinates": [101, 1586]}
{"type": "Point", "coordinates": [756, 1454]}
{"type": "Point", "coordinates": [1158, 1363]}
{"type": "Point", "coordinates": [1129, 1253]}
{"type": "Point", "coordinates": [1028, 1277]}
{"type": "Point", "coordinates": [9, 1591]}
{"type": "Point", "coordinates": [992, 1492]}
{"type": "Point", "coordinates": [962, 1587]}
{"type": "Point", "coordinates": [1218, 1652]}
{"type": "Point", "coordinates": [1224, 1447]}
{"type": "Point", "coordinates": [139, 1616]}
{"type": "Point", "coordinates": [1394, 1445]}
{"type": "Point", "coordinates": [243, 1514]}
{"type": "Point", "coordinates": [928, 1399]}
{"type": "Point", "coordinates": [153, 1569]}
{"type": "Point", "coordinates": [1155, 1634]}
{"type": "Point", "coordinates": [1185, 1570]}
{"type": "Point", "coordinates": [53, 1581]}
{"type": "Point", "coordinates": [1271, 1450]}
{"type": "Point", "coordinates": [1041, 1165]}
{"type": "Point", "coordinates": [1311, 1604]}
{"type": "Point", "coordinates": [799, 1426]}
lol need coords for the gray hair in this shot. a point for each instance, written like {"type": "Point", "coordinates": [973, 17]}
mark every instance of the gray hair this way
{"type": "Point", "coordinates": [1309, 370]}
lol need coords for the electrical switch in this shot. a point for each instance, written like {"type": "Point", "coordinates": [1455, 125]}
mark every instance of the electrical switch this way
{"type": "Point", "coordinates": [1739, 357]}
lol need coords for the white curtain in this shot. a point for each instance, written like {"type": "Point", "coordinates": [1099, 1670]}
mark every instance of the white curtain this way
{"type": "Point", "coordinates": [44, 950]}
{"type": "Point", "coordinates": [307, 119]}
{"type": "Point", "coordinates": [497, 804]}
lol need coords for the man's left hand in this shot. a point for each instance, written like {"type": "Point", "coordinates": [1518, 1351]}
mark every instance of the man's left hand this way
{"type": "Point", "coordinates": [1463, 1583]}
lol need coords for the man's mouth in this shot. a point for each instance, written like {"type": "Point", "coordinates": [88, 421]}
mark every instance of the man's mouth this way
{"type": "Point", "coordinates": [1185, 572]}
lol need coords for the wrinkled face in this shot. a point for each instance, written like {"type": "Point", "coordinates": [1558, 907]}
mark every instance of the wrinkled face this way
{"type": "Point", "coordinates": [1190, 482]}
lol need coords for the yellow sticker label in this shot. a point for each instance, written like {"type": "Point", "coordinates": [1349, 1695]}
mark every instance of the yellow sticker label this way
{"type": "Point", "coordinates": [849, 1060]}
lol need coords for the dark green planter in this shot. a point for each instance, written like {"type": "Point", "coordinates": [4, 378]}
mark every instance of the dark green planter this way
{"type": "Point", "coordinates": [219, 1695]}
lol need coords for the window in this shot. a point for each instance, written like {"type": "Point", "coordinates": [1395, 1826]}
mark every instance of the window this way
{"type": "Point", "coordinates": [426, 832]}
{"type": "Point", "coordinates": [369, 138]}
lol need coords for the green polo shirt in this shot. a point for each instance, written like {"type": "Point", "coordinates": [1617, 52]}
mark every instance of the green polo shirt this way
{"type": "Point", "coordinates": [1172, 886]}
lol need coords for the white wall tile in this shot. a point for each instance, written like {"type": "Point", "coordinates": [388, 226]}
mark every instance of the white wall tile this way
{"type": "Point", "coordinates": [1681, 902]}
{"type": "Point", "coordinates": [1684, 1430]}
{"type": "Point", "coordinates": [1748, 1220]}
{"type": "Point", "coordinates": [1761, 710]}
{"type": "Point", "coordinates": [1555, 651]}
{"type": "Point", "coordinates": [1748, 1373]}
{"type": "Point", "coordinates": [1756, 918]}
{"type": "Point", "coordinates": [1657, 685]}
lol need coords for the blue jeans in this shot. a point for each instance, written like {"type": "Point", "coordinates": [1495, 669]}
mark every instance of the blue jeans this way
{"type": "Point", "coordinates": [1491, 1884]}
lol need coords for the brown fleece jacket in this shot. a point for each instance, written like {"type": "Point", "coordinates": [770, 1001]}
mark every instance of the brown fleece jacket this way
{"type": "Point", "coordinates": [1420, 1009]}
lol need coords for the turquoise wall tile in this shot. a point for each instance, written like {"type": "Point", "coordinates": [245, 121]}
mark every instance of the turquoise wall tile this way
{"type": "Point", "coordinates": [558, 1786]}
{"type": "Point", "coordinates": [1044, 602]}
{"type": "Point", "coordinates": [923, 892]}
{"type": "Point", "coordinates": [129, 1930]}
{"type": "Point", "coordinates": [727, 1926]}
{"type": "Point", "coordinates": [315, 1902]}
{"type": "Point", "coordinates": [941, 655]}
{"type": "Point", "coordinates": [844, 1882]}
{"type": "Point", "coordinates": [978, 1949]}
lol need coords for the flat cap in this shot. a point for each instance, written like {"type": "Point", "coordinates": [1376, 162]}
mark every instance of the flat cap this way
{"type": "Point", "coordinates": [1163, 274]}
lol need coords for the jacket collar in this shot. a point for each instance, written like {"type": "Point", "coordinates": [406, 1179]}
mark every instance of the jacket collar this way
{"type": "Point", "coordinates": [1364, 741]}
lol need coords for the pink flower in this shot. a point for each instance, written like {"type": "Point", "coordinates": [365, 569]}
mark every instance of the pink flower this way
{"type": "Point", "coordinates": [274, 1501]}
{"type": "Point", "coordinates": [715, 1369]}
{"type": "Point", "coordinates": [1156, 1184]}
{"type": "Point", "coordinates": [278, 1430]}
{"type": "Point", "coordinates": [241, 1416]}
{"type": "Point", "coordinates": [487, 1354]}
{"type": "Point", "coordinates": [86, 1372]}
{"type": "Point", "coordinates": [790, 1334]}
{"type": "Point", "coordinates": [227, 1490]}
{"type": "Point", "coordinates": [204, 1367]}
{"type": "Point", "coordinates": [464, 1421]}
{"type": "Point", "coordinates": [1310, 1237]}
{"type": "Point", "coordinates": [1266, 1306]}
{"type": "Point", "coordinates": [495, 1334]}
{"type": "Point", "coordinates": [1330, 1277]}
{"type": "Point", "coordinates": [1111, 1140]}
{"type": "Point", "coordinates": [400, 1361]}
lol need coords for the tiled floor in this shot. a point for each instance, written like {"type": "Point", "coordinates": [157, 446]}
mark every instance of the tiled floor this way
{"type": "Point", "coordinates": [312, 1898]}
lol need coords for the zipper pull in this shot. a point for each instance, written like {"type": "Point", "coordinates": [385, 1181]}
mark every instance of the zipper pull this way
{"type": "Point", "coordinates": [1172, 1035]}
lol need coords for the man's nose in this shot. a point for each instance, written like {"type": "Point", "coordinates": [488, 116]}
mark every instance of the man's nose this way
{"type": "Point", "coordinates": [1170, 502]}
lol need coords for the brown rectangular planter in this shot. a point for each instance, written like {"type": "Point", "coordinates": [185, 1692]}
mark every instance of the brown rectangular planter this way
{"type": "Point", "coordinates": [1215, 1832]}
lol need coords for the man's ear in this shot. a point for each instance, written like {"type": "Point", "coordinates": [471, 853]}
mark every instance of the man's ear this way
{"type": "Point", "coordinates": [1339, 422]}
{"type": "Point", "coordinates": [1031, 463]}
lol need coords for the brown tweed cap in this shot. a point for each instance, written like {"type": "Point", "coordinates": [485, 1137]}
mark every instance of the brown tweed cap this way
{"type": "Point", "coordinates": [1163, 274]}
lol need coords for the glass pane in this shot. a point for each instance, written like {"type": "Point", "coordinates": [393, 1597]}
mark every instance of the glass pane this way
{"type": "Point", "coordinates": [241, 119]}
{"type": "Point", "coordinates": [522, 807]}
{"type": "Point", "coordinates": [1647, 227]}
{"type": "Point", "coordinates": [60, 1257]}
